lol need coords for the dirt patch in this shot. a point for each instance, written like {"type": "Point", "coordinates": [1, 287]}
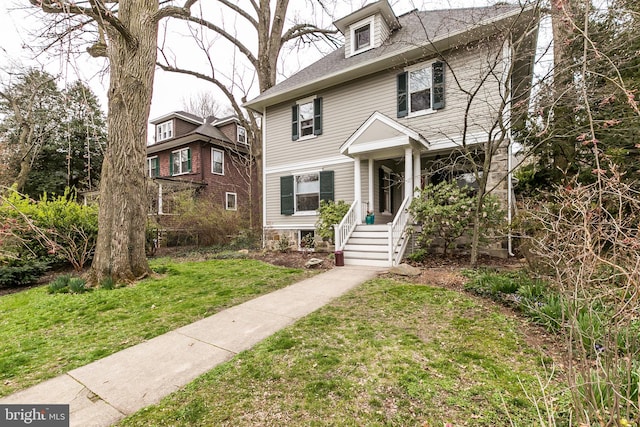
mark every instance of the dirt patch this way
{"type": "Point", "coordinates": [294, 259]}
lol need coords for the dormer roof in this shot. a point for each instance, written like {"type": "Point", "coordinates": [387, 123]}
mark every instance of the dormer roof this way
{"type": "Point", "coordinates": [188, 117]}
{"type": "Point", "coordinates": [381, 7]}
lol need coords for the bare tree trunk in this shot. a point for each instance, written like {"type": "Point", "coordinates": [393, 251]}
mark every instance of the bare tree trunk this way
{"type": "Point", "coordinates": [120, 249]}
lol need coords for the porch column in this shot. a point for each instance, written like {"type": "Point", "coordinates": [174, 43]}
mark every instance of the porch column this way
{"type": "Point", "coordinates": [357, 188]}
{"type": "Point", "coordinates": [408, 172]}
{"type": "Point", "coordinates": [370, 205]}
{"type": "Point", "coordinates": [417, 171]}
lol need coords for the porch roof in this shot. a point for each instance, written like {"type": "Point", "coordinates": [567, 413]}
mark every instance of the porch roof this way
{"type": "Point", "coordinates": [380, 136]}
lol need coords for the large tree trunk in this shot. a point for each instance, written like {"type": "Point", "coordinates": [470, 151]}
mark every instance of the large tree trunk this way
{"type": "Point", "coordinates": [120, 249]}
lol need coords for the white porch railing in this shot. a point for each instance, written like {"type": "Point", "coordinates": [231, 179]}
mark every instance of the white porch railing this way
{"type": "Point", "coordinates": [347, 225]}
{"type": "Point", "coordinates": [397, 229]}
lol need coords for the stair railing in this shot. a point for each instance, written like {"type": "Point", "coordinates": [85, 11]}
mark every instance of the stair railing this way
{"type": "Point", "coordinates": [397, 229]}
{"type": "Point", "coordinates": [347, 225]}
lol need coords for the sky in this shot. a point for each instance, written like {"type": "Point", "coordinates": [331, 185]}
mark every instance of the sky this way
{"type": "Point", "coordinates": [18, 47]}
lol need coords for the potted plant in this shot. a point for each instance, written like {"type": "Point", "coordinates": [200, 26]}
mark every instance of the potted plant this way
{"type": "Point", "coordinates": [370, 217]}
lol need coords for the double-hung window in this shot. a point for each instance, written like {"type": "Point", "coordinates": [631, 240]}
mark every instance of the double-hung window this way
{"type": "Point", "coordinates": [164, 131]}
{"type": "Point", "coordinates": [180, 161]}
{"type": "Point", "coordinates": [217, 161]}
{"type": "Point", "coordinates": [241, 135]}
{"type": "Point", "coordinates": [153, 167]}
{"type": "Point", "coordinates": [306, 119]}
{"type": "Point", "coordinates": [421, 89]}
{"type": "Point", "coordinates": [301, 193]}
{"type": "Point", "coordinates": [361, 35]}
{"type": "Point", "coordinates": [231, 201]}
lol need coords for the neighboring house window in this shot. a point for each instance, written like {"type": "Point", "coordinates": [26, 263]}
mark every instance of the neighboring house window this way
{"type": "Point", "coordinates": [421, 89]}
{"type": "Point", "coordinates": [164, 131]}
{"type": "Point", "coordinates": [232, 201]}
{"type": "Point", "coordinates": [153, 166]}
{"type": "Point", "coordinates": [217, 161]}
{"type": "Point", "coordinates": [306, 119]}
{"type": "Point", "coordinates": [362, 36]}
{"type": "Point", "coordinates": [180, 161]}
{"type": "Point", "coordinates": [242, 135]}
{"type": "Point", "coordinates": [303, 192]}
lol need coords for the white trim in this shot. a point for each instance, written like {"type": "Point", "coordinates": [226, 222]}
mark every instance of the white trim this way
{"type": "Point", "coordinates": [226, 201]}
{"type": "Point", "coordinates": [160, 129]}
{"type": "Point", "coordinates": [289, 226]}
{"type": "Point", "coordinates": [149, 169]}
{"type": "Point", "coordinates": [221, 152]}
{"type": "Point", "coordinates": [264, 170]}
{"type": "Point", "coordinates": [380, 144]}
{"type": "Point", "coordinates": [313, 230]}
{"type": "Point", "coordinates": [379, 117]}
{"type": "Point", "coordinates": [296, 212]}
{"type": "Point", "coordinates": [245, 142]}
{"type": "Point", "coordinates": [314, 164]}
{"type": "Point", "coordinates": [175, 114]}
{"type": "Point", "coordinates": [171, 157]}
{"type": "Point", "coordinates": [456, 142]}
{"type": "Point", "coordinates": [417, 67]}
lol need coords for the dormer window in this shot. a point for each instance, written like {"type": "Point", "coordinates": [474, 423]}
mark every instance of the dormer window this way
{"type": "Point", "coordinates": [362, 36]}
{"type": "Point", "coordinates": [242, 135]}
{"type": "Point", "coordinates": [164, 131]}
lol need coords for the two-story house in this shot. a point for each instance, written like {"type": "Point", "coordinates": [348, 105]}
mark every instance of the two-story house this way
{"type": "Point", "coordinates": [380, 116]}
{"type": "Point", "coordinates": [208, 157]}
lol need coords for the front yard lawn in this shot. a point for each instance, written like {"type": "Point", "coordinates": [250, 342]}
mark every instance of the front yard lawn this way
{"type": "Point", "coordinates": [388, 353]}
{"type": "Point", "coordinates": [45, 335]}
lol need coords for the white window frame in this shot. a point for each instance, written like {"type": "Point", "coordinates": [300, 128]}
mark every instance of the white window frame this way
{"type": "Point", "coordinates": [412, 69]}
{"type": "Point", "coordinates": [212, 162]}
{"type": "Point", "coordinates": [370, 22]}
{"type": "Point", "coordinates": [295, 193]}
{"type": "Point", "coordinates": [300, 103]}
{"type": "Point", "coordinates": [149, 159]}
{"type": "Point", "coordinates": [226, 201]}
{"type": "Point", "coordinates": [179, 152]}
{"type": "Point", "coordinates": [387, 179]}
{"type": "Point", "coordinates": [241, 131]}
{"type": "Point", "coordinates": [164, 131]}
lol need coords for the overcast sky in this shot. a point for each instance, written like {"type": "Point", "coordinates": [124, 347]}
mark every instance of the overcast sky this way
{"type": "Point", "coordinates": [170, 90]}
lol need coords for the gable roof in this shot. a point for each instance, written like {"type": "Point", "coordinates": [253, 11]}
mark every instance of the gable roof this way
{"type": "Point", "coordinates": [382, 7]}
{"type": "Point", "coordinates": [421, 33]}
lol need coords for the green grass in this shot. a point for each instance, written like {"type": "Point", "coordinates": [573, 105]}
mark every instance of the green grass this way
{"type": "Point", "coordinates": [44, 335]}
{"type": "Point", "coordinates": [387, 353]}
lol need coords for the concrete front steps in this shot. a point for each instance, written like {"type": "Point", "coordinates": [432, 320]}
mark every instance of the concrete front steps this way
{"type": "Point", "coordinates": [368, 246]}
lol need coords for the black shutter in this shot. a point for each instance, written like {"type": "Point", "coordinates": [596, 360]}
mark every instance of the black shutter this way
{"type": "Point", "coordinates": [438, 85]}
{"type": "Point", "coordinates": [294, 122]}
{"type": "Point", "coordinates": [286, 195]}
{"type": "Point", "coordinates": [317, 116]}
{"type": "Point", "coordinates": [326, 186]}
{"type": "Point", "coordinates": [403, 102]}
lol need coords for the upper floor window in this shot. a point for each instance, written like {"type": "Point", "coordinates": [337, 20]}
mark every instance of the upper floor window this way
{"type": "Point", "coordinates": [242, 135]}
{"type": "Point", "coordinates": [421, 89]}
{"type": "Point", "coordinates": [153, 166]}
{"type": "Point", "coordinates": [306, 119]}
{"type": "Point", "coordinates": [217, 161]}
{"type": "Point", "coordinates": [164, 131]}
{"type": "Point", "coordinates": [180, 161]}
{"type": "Point", "coordinates": [362, 36]}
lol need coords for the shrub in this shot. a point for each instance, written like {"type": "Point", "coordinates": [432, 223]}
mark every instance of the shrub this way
{"type": "Point", "coordinates": [446, 212]}
{"type": "Point", "coordinates": [18, 272]}
{"type": "Point", "coordinates": [108, 283]}
{"type": "Point", "coordinates": [53, 228]}
{"type": "Point", "coordinates": [330, 214]}
{"type": "Point", "coordinates": [284, 244]}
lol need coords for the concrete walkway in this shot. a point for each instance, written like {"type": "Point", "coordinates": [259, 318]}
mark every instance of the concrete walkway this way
{"type": "Point", "coordinates": [105, 391]}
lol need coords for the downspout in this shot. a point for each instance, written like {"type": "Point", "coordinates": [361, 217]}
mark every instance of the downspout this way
{"type": "Point", "coordinates": [509, 149]}
{"type": "Point", "coordinates": [263, 133]}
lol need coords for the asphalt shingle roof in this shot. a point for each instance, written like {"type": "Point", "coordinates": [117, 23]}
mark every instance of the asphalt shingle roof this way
{"type": "Point", "coordinates": [418, 28]}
